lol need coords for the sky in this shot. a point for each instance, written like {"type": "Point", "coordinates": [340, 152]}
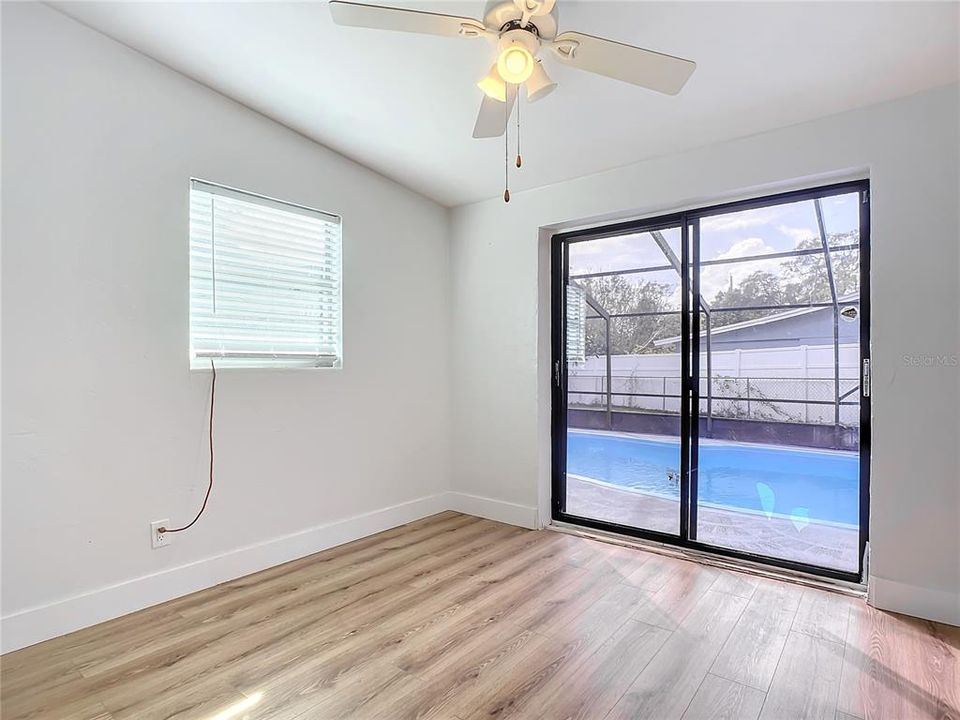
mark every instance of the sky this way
{"type": "Point", "coordinates": [750, 232]}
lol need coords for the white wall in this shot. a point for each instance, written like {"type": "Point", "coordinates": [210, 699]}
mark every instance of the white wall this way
{"type": "Point", "coordinates": [909, 149]}
{"type": "Point", "coordinates": [103, 421]}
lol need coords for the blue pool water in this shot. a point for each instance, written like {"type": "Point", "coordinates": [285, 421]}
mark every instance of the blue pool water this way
{"type": "Point", "coordinates": [794, 482]}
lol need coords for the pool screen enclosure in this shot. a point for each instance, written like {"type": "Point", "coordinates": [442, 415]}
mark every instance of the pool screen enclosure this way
{"type": "Point", "coordinates": [711, 378]}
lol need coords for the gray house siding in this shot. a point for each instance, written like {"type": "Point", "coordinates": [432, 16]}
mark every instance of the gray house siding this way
{"type": "Point", "coordinates": [815, 328]}
{"type": "Point", "coordinates": [812, 328]}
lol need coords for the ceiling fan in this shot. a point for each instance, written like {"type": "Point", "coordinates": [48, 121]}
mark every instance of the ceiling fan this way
{"type": "Point", "coordinates": [520, 29]}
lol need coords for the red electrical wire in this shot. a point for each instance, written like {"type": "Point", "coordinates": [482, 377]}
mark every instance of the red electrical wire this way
{"type": "Point", "coordinates": [213, 389]}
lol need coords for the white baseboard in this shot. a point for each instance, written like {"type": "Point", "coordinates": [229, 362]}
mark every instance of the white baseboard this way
{"type": "Point", "coordinates": [34, 625]}
{"type": "Point", "coordinates": [920, 602]}
{"type": "Point", "coordinates": [40, 623]}
{"type": "Point", "coordinates": [499, 510]}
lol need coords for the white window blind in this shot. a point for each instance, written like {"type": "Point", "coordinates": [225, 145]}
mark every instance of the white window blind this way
{"type": "Point", "coordinates": [576, 325]}
{"type": "Point", "coordinates": [265, 285]}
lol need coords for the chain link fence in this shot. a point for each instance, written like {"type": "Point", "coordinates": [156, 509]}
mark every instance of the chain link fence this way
{"type": "Point", "coordinates": [777, 399]}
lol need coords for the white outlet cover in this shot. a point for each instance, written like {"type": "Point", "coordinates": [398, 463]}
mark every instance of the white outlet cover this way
{"type": "Point", "coordinates": [158, 539]}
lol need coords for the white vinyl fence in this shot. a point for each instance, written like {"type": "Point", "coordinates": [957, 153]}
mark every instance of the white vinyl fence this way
{"type": "Point", "coordinates": [775, 384]}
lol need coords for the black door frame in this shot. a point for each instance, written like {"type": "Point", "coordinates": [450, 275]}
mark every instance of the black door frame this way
{"type": "Point", "coordinates": [690, 358]}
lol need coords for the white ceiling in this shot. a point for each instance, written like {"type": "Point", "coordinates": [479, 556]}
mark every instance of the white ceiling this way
{"type": "Point", "coordinates": [405, 104]}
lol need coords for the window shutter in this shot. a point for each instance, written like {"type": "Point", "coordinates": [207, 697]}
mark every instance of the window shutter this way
{"type": "Point", "coordinates": [265, 281]}
{"type": "Point", "coordinates": [576, 325]}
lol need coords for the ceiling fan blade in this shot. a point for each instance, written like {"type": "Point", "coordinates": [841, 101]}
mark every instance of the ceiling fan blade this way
{"type": "Point", "coordinates": [493, 116]}
{"type": "Point", "coordinates": [383, 17]}
{"type": "Point", "coordinates": [646, 68]}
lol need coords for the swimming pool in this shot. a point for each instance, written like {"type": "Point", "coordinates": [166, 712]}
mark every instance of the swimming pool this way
{"type": "Point", "coordinates": [805, 485]}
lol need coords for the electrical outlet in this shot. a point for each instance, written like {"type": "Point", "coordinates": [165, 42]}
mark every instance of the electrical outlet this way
{"type": "Point", "coordinates": [157, 538]}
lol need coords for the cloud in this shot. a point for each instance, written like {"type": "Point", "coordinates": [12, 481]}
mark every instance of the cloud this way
{"type": "Point", "coordinates": [715, 278]}
{"type": "Point", "coordinates": [798, 234]}
{"type": "Point", "coordinates": [745, 248]}
{"type": "Point", "coordinates": [620, 252]}
{"type": "Point", "coordinates": [741, 220]}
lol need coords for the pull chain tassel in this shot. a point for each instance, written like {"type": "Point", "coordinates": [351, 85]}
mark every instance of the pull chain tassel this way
{"type": "Point", "coordinates": [506, 151]}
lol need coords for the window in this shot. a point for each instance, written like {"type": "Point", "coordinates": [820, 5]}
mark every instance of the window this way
{"type": "Point", "coordinates": [576, 325]}
{"type": "Point", "coordinates": [265, 281]}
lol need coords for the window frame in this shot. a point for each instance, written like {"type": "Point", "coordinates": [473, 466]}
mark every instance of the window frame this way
{"type": "Point", "coordinates": [263, 360]}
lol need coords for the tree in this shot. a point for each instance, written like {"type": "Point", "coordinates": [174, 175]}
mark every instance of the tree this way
{"type": "Point", "coordinates": [800, 281]}
{"type": "Point", "coordinates": [758, 288]}
{"type": "Point", "coordinates": [803, 279]}
{"type": "Point", "coordinates": [616, 294]}
{"type": "Point", "coordinates": [806, 275]}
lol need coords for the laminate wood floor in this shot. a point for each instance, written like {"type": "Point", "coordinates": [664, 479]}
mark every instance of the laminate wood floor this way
{"type": "Point", "coordinates": [458, 618]}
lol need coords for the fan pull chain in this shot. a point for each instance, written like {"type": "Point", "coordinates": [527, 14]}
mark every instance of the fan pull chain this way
{"type": "Point", "coordinates": [519, 159]}
{"type": "Point", "coordinates": [506, 150]}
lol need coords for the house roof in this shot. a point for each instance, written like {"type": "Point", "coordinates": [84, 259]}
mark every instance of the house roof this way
{"type": "Point", "coordinates": [778, 317]}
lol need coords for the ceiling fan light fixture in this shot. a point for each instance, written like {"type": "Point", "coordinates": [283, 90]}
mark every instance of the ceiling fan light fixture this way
{"type": "Point", "coordinates": [493, 85]}
{"type": "Point", "coordinates": [521, 29]}
{"type": "Point", "coordinates": [539, 85]}
{"type": "Point", "coordinates": [515, 63]}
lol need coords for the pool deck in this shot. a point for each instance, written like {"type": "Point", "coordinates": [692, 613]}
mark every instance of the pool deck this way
{"type": "Point", "coordinates": [815, 543]}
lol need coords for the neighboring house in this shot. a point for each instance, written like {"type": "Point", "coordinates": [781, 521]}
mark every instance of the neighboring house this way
{"type": "Point", "coordinates": [791, 328]}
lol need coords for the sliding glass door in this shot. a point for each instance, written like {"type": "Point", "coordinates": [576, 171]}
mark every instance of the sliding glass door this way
{"type": "Point", "coordinates": [710, 378]}
{"type": "Point", "coordinates": [622, 296]}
